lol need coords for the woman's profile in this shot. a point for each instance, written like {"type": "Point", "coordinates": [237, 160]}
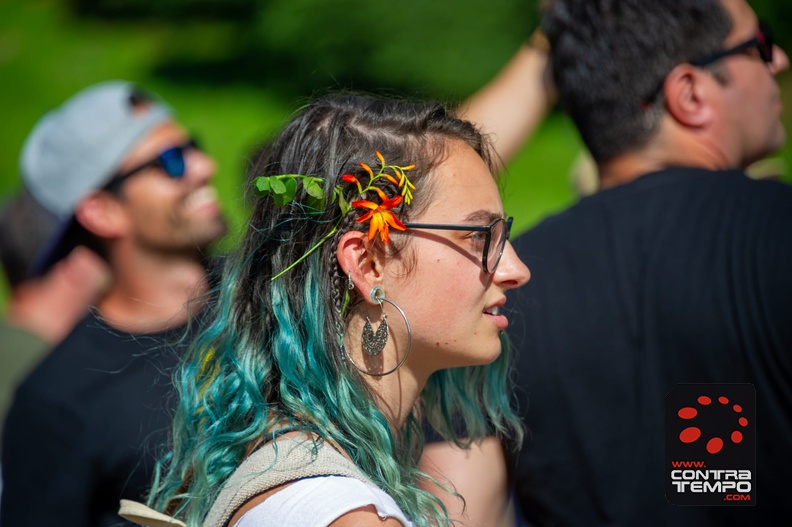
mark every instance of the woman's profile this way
{"type": "Point", "coordinates": [366, 296]}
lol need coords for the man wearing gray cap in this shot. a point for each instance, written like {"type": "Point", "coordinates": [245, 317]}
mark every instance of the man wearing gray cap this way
{"type": "Point", "coordinates": [124, 179]}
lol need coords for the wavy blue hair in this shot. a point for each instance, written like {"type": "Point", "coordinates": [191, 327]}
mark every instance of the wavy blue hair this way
{"type": "Point", "coordinates": [268, 360]}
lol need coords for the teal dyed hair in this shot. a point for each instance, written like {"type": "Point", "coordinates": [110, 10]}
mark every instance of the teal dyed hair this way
{"type": "Point", "coordinates": [268, 360]}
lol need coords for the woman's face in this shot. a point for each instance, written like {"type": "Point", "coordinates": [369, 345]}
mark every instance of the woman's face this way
{"type": "Point", "coordinates": [454, 307]}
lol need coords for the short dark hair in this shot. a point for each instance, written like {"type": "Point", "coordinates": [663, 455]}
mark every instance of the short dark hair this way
{"type": "Point", "coordinates": [25, 228]}
{"type": "Point", "coordinates": [610, 57]}
{"type": "Point", "coordinates": [28, 236]}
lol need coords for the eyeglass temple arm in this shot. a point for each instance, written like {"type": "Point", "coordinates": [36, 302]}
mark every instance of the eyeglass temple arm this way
{"type": "Point", "coordinates": [442, 226]}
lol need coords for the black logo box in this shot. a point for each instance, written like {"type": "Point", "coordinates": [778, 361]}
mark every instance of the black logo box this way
{"type": "Point", "coordinates": [732, 408]}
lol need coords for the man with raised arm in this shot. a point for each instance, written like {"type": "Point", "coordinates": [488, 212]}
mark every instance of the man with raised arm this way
{"type": "Point", "coordinates": [675, 272]}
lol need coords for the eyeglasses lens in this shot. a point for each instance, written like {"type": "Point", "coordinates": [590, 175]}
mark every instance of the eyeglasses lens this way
{"type": "Point", "coordinates": [497, 243]}
{"type": "Point", "coordinates": [172, 162]}
{"type": "Point", "coordinates": [172, 159]}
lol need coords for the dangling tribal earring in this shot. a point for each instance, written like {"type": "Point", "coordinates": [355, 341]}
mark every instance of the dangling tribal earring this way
{"type": "Point", "coordinates": [374, 342]}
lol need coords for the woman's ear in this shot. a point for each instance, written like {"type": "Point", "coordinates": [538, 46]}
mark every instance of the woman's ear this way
{"type": "Point", "coordinates": [101, 214]}
{"type": "Point", "coordinates": [359, 262]}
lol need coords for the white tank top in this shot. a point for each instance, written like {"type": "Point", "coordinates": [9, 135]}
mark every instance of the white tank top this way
{"type": "Point", "coordinates": [319, 501]}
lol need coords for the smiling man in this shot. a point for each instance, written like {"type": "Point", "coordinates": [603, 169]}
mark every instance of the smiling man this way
{"type": "Point", "coordinates": [126, 180]}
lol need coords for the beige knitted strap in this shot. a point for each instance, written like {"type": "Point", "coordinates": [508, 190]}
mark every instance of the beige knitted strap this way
{"type": "Point", "coordinates": [274, 464]}
{"type": "Point", "coordinates": [142, 515]}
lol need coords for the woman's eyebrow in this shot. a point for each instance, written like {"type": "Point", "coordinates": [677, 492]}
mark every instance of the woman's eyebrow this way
{"type": "Point", "coordinates": [482, 216]}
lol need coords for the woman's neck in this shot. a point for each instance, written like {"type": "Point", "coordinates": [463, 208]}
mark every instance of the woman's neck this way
{"type": "Point", "coordinates": [396, 394]}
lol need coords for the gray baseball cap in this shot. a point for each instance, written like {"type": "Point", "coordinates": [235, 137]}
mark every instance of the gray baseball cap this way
{"type": "Point", "coordinates": [77, 148]}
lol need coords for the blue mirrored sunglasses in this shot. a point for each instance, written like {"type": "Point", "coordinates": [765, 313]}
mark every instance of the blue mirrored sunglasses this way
{"type": "Point", "coordinates": [170, 160]}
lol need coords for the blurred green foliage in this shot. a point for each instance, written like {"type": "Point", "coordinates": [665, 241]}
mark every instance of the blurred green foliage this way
{"type": "Point", "coordinates": [436, 49]}
{"type": "Point", "coordinates": [235, 69]}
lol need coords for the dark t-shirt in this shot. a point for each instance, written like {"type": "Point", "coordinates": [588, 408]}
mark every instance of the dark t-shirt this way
{"type": "Point", "coordinates": [87, 425]}
{"type": "Point", "coordinates": [682, 276]}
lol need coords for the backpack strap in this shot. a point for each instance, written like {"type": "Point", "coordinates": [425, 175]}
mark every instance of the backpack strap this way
{"type": "Point", "coordinates": [140, 514]}
{"type": "Point", "coordinates": [274, 464]}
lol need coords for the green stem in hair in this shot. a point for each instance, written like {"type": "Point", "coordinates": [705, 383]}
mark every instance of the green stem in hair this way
{"type": "Point", "coordinates": [307, 254]}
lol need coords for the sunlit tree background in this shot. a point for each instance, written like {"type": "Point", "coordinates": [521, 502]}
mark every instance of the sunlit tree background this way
{"type": "Point", "coordinates": [235, 69]}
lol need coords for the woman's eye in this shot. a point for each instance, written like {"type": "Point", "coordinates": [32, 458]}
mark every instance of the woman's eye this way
{"type": "Point", "coordinates": [478, 237]}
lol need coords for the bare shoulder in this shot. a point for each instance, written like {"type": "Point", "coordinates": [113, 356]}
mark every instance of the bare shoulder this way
{"type": "Point", "coordinates": [365, 517]}
{"type": "Point", "coordinates": [478, 474]}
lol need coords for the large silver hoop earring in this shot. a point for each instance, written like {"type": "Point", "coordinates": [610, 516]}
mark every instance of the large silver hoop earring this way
{"type": "Point", "coordinates": [374, 342]}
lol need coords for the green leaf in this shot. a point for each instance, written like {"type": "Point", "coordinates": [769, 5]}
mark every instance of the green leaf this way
{"type": "Point", "coordinates": [314, 204]}
{"type": "Point", "coordinates": [261, 186]}
{"type": "Point", "coordinates": [342, 202]}
{"type": "Point", "coordinates": [285, 188]}
{"type": "Point", "coordinates": [277, 185]}
{"type": "Point", "coordinates": [313, 188]}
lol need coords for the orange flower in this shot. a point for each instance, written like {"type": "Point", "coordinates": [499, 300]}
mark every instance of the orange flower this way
{"type": "Point", "coordinates": [366, 168]}
{"type": "Point", "coordinates": [349, 178]}
{"type": "Point", "coordinates": [391, 178]}
{"type": "Point", "coordinates": [381, 216]}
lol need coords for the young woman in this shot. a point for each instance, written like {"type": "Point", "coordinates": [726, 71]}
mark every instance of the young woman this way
{"type": "Point", "coordinates": [376, 258]}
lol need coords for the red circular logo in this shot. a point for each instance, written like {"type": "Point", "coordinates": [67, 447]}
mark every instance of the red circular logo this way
{"type": "Point", "coordinates": [693, 433]}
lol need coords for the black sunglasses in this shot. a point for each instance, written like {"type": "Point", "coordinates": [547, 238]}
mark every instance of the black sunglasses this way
{"type": "Point", "coordinates": [170, 160]}
{"type": "Point", "coordinates": [499, 229]}
{"type": "Point", "coordinates": [763, 42]}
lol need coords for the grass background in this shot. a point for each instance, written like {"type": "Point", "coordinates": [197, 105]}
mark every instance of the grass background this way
{"type": "Point", "coordinates": [47, 54]}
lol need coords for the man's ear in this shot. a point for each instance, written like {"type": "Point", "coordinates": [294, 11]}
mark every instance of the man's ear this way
{"type": "Point", "coordinates": [102, 214]}
{"type": "Point", "coordinates": [688, 94]}
{"type": "Point", "coordinates": [359, 262]}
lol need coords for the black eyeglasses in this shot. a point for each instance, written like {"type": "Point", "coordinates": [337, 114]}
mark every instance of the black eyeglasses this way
{"type": "Point", "coordinates": [763, 42]}
{"type": "Point", "coordinates": [171, 161]}
{"type": "Point", "coordinates": [499, 230]}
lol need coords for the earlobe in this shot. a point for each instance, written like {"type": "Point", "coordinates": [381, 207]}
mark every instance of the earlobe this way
{"type": "Point", "coordinates": [687, 95]}
{"type": "Point", "coordinates": [100, 214]}
{"type": "Point", "coordinates": [359, 262]}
